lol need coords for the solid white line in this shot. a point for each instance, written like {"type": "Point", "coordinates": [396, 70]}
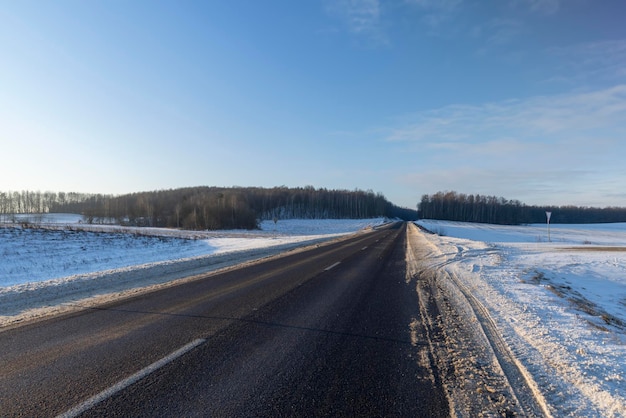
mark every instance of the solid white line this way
{"type": "Point", "coordinates": [107, 393]}
{"type": "Point", "coordinates": [333, 266]}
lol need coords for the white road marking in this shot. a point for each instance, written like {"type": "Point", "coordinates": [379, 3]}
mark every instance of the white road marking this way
{"type": "Point", "coordinates": [107, 393]}
{"type": "Point", "coordinates": [364, 248]}
{"type": "Point", "coordinates": [332, 266]}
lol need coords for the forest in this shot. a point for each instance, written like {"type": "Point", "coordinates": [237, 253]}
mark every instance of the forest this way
{"type": "Point", "coordinates": [453, 206]}
{"type": "Point", "coordinates": [201, 208]}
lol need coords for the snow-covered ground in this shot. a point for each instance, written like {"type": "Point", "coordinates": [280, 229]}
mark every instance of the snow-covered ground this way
{"type": "Point", "coordinates": [560, 304]}
{"type": "Point", "coordinates": [48, 263]}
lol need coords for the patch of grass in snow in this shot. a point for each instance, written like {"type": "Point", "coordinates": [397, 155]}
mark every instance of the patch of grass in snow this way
{"type": "Point", "coordinates": [581, 303]}
{"type": "Point", "coordinates": [536, 278]}
{"type": "Point", "coordinates": [578, 301]}
{"type": "Point", "coordinates": [611, 249]}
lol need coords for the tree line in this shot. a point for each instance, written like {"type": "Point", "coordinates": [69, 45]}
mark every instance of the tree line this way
{"type": "Point", "coordinates": [211, 208]}
{"type": "Point", "coordinates": [453, 206]}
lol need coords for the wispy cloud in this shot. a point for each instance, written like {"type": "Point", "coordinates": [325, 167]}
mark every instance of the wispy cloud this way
{"type": "Point", "coordinates": [591, 61]}
{"type": "Point", "coordinates": [360, 17]}
{"type": "Point", "coordinates": [546, 7]}
{"type": "Point", "coordinates": [498, 34]}
{"type": "Point", "coordinates": [531, 119]}
{"type": "Point", "coordinates": [443, 5]}
{"type": "Point", "coordinates": [518, 148]}
{"type": "Point", "coordinates": [502, 31]}
{"type": "Point", "coordinates": [437, 6]}
{"type": "Point", "coordinates": [436, 13]}
{"type": "Point", "coordinates": [539, 186]}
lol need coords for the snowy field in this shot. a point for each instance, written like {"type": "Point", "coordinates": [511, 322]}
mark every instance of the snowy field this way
{"type": "Point", "coordinates": [560, 304]}
{"type": "Point", "coordinates": [48, 263]}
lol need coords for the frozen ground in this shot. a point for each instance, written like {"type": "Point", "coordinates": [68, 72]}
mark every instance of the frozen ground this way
{"type": "Point", "coordinates": [49, 263]}
{"type": "Point", "coordinates": [560, 305]}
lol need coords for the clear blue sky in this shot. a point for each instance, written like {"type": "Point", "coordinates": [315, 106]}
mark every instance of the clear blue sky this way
{"type": "Point", "coordinates": [524, 99]}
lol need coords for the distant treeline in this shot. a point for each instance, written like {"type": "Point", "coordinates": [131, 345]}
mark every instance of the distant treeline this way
{"type": "Point", "coordinates": [453, 206]}
{"type": "Point", "coordinates": [207, 207]}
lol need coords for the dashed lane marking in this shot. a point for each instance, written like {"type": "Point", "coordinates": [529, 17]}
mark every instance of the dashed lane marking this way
{"type": "Point", "coordinates": [107, 393]}
{"type": "Point", "coordinates": [332, 266]}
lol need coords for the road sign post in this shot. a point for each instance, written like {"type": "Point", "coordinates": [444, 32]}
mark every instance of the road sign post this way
{"type": "Point", "coordinates": [548, 215]}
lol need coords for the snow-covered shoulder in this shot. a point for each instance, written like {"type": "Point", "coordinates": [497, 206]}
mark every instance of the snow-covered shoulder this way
{"type": "Point", "coordinates": [560, 303]}
{"type": "Point", "coordinates": [56, 260]}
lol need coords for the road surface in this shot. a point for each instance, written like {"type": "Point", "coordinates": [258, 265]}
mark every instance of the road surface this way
{"type": "Point", "coordinates": [336, 330]}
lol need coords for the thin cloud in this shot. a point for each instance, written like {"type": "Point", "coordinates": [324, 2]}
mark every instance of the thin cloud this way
{"type": "Point", "coordinates": [565, 143]}
{"type": "Point", "coordinates": [536, 118]}
{"type": "Point", "coordinates": [497, 35]}
{"type": "Point", "coordinates": [544, 7]}
{"type": "Point", "coordinates": [436, 13]}
{"type": "Point", "coordinates": [445, 5]}
{"type": "Point", "coordinates": [360, 17]}
{"type": "Point", "coordinates": [591, 61]}
{"type": "Point", "coordinates": [536, 186]}
{"type": "Point", "coordinates": [503, 31]}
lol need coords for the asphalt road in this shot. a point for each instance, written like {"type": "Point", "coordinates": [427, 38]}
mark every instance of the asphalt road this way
{"type": "Point", "coordinates": [332, 331]}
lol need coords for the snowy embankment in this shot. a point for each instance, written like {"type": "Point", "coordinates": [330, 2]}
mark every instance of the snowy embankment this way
{"type": "Point", "coordinates": [560, 304]}
{"type": "Point", "coordinates": [60, 263]}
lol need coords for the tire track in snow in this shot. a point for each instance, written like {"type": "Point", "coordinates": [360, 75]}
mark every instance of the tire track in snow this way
{"type": "Point", "coordinates": [521, 381]}
{"type": "Point", "coordinates": [461, 310]}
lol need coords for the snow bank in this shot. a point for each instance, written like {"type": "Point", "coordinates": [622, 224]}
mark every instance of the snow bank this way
{"type": "Point", "coordinates": [52, 267]}
{"type": "Point", "coordinates": [560, 305]}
